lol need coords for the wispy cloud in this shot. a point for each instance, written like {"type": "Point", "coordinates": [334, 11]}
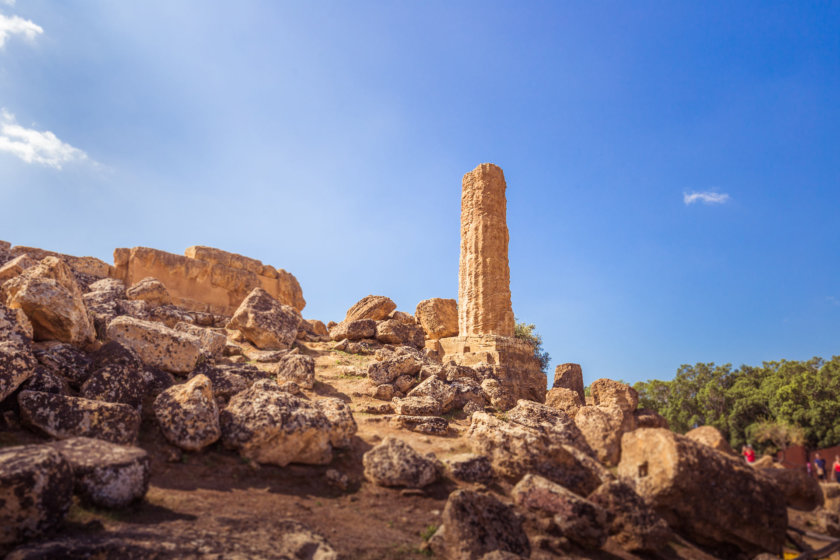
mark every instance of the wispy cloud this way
{"type": "Point", "coordinates": [8, 2]}
{"type": "Point", "coordinates": [33, 146]}
{"type": "Point", "coordinates": [707, 197]}
{"type": "Point", "coordinates": [16, 25]}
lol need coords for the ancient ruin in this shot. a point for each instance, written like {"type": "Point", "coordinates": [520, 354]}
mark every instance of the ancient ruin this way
{"type": "Point", "coordinates": [485, 315]}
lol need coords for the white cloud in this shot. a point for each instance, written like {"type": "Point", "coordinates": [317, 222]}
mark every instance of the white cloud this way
{"type": "Point", "coordinates": [16, 25]}
{"type": "Point", "coordinates": [705, 197]}
{"type": "Point", "coordinates": [9, 2]}
{"type": "Point", "coordinates": [33, 146]}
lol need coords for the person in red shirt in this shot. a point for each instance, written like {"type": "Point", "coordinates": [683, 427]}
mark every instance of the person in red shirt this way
{"type": "Point", "coordinates": [749, 453]}
{"type": "Point", "coordinates": [836, 468]}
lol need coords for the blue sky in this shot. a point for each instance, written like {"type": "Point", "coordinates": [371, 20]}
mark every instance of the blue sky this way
{"type": "Point", "coordinates": [673, 168]}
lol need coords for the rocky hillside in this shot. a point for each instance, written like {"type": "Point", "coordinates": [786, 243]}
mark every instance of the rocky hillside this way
{"type": "Point", "coordinates": [140, 420]}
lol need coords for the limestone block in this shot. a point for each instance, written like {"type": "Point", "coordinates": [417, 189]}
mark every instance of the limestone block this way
{"type": "Point", "coordinates": [438, 317]}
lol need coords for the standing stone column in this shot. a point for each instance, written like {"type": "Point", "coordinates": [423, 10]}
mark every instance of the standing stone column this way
{"type": "Point", "coordinates": [484, 275]}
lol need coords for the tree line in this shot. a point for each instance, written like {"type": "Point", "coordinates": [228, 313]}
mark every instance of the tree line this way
{"type": "Point", "coordinates": [771, 406]}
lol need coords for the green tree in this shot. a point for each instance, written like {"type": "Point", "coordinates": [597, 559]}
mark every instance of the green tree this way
{"type": "Point", "coordinates": [528, 332]}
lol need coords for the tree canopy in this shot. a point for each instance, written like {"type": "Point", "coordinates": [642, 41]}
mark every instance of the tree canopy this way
{"type": "Point", "coordinates": [771, 406]}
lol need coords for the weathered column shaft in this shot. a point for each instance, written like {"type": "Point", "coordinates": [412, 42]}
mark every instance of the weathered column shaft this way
{"type": "Point", "coordinates": [484, 276]}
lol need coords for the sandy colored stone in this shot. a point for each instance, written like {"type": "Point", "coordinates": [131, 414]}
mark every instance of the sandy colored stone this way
{"type": "Point", "coordinates": [606, 392]}
{"type": "Point", "coordinates": [353, 330]}
{"type": "Point", "coordinates": [372, 307]}
{"type": "Point", "coordinates": [157, 345]}
{"type": "Point", "coordinates": [711, 436]}
{"type": "Point", "coordinates": [36, 491]}
{"type": "Point", "coordinates": [570, 376]}
{"type": "Point", "coordinates": [393, 331]}
{"type": "Point", "coordinates": [632, 523]}
{"type": "Point", "coordinates": [206, 279]}
{"type": "Point", "coordinates": [438, 317]}
{"type": "Point", "coordinates": [435, 389]}
{"type": "Point", "coordinates": [713, 498]}
{"type": "Point", "coordinates": [150, 290]}
{"type": "Point", "coordinates": [17, 364]}
{"type": "Point", "coordinates": [298, 368]}
{"type": "Point", "coordinates": [564, 399]}
{"type": "Point", "coordinates": [15, 267]}
{"type": "Point", "coordinates": [52, 300]}
{"type": "Point", "coordinates": [647, 418]}
{"type": "Point", "coordinates": [484, 275]}
{"type": "Point", "coordinates": [395, 463]}
{"type": "Point", "coordinates": [116, 384]}
{"type": "Point", "coordinates": [106, 474]}
{"type": "Point", "coordinates": [801, 491]}
{"type": "Point", "coordinates": [603, 426]}
{"type": "Point", "coordinates": [343, 425]}
{"type": "Point", "coordinates": [266, 322]}
{"type": "Point", "coordinates": [187, 414]}
{"type": "Point", "coordinates": [64, 417]}
{"type": "Point", "coordinates": [212, 341]}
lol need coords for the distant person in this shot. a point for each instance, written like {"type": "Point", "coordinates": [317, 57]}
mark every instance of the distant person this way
{"type": "Point", "coordinates": [749, 453]}
{"type": "Point", "coordinates": [809, 469]}
{"type": "Point", "coordinates": [819, 466]}
{"type": "Point", "coordinates": [836, 468]}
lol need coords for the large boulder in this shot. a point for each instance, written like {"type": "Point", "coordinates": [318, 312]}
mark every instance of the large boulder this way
{"type": "Point", "coordinates": [395, 463]}
{"type": "Point", "coordinates": [470, 467]}
{"type": "Point", "coordinates": [105, 474]}
{"type": "Point", "coordinates": [188, 415]}
{"type": "Point", "coordinates": [354, 330]}
{"type": "Point", "coordinates": [51, 298]}
{"type": "Point", "coordinates": [116, 384]}
{"type": "Point", "coordinates": [65, 360]}
{"type": "Point", "coordinates": [436, 389]}
{"type": "Point", "coordinates": [342, 424]}
{"type": "Point", "coordinates": [416, 406]}
{"type": "Point", "coordinates": [570, 376]}
{"type": "Point", "coordinates": [647, 418]}
{"type": "Point", "coordinates": [394, 331]}
{"type": "Point", "coordinates": [801, 491]}
{"type": "Point", "coordinates": [376, 308]}
{"type": "Point", "coordinates": [157, 345]}
{"type": "Point", "coordinates": [603, 426]}
{"type": "Point", "coordinates": [151, 290]}
{"type": "Point", "coordinates": [389, 369]}
{"type": "Point", "coordinates": [103, 300]}
{"type": "Point", "coordinates": [265, 322]}
{"type": "Point", "coordinates": [269, 425]}
{"type": "Point", "coordinates": [573, 517]}
{"type": "Point", "coordinates": [64, 417]}
{"type": "Point", "coordinates": [711, 436]}
{"type": "Point", "coordinates": [438, 317]}
{"type": "Point", "coordinates": [298, 368]}
{"type": "Point", "coordinates": [516, 449]}
{"type": "Point", "coordinates": [15, 267]}
{"type": "Point", "coordinates": [212, 342]}
{"type": "Point", "coordinates": [713, 499]}
{"type": "Point", "coordinates": [564, 399]}
{"type": "Point", "coordinates": [475, 525]}
{"type": "Point", "coordinates": [230, 379]}
{"type": "Point", "coordinates": [17, 364]}
{"type": "Point", "coordinates": [606, 392]}
{"type": "Point", "coordinates": [632, 523]}
{"type": "Point", "coordinates": [36, 491]}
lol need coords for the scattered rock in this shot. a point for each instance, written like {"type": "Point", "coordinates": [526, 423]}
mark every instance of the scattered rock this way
{"type": "Point", "coordinates": [65, 360]}
{"type": "Point", "coordinates": [564, 399]}
{"type": "Point", "coordinates": [343, 425]}
{"type": "Point", "coordinates": [469, 467]}
{"type": "Point", "coordinates": [36, 490]}
{"type": "Point", "coordinates": [187, 414]}
{"type": "Point", "coordinates": [573, 517]}
{"type": "Point", "coordinates": [606, 392]}
{"type": "Point", "coordinates": [384, 392]}
{"type": "Point", "coordinates": [337, 479]}
{"type": "Point", "coordinates": [801, 491]}
{"type": "Point", "coordinates": [647, 418]}
{"type": "Point", "coordinates": [632, 523]}
{"type": "Point", "coordinates": [476, 524]}
{"type": "Point", "coordinates": [395, 463]}
{"type": "Point", "coordinates": [268, 425]}
{"type": "Point", "coordinates": [393, 331]}
{"type": "Point", "coordinates": [151, 290]}
{"type": "Point", "coordinates": [17, 364]}
{"type": "Point", "coordinates": [64, 417]}
{"type": "Point", "coordinates": [711, 436]}
{"type": "Point", "coordinates": [105, 474]}
{"type": "Point", "coordinates": [266, 322]}
{"type": "Point", "coordinates": [570, 376]}
{"type": "Point", "coordinates": [497, 394]}
{"type": "Point", "coordinates": [297, 368]}
{"type": "Point", "coordinates": [157, 345]}
{"type": "Point", "coordinates": [230, 379]}
{"type": "Point", "coordinates": [416, 406]}
{"type": "Point", "coordinates": [354, 330]}
{"type": "Point", "coordinates": [115, 383]}
{"type": "Point", "coordinates": [602, 426]}
{"type": "Point", "coordinates": [673, 474]}
{"type": "Point", "coordinates": [438, 317]}
{"type": "Point", "coordinates": [387, 371]}
{"type": "Point", "coordinates": [45, 381]}
{"type": "Point", "coordinates": [212, 342]}
{"type": "Point", "coordinates": [15, 267]}
{"type": "Point", "coordinates": [375, 308]}
{"type": "Point", "coordinates": [431, 425]}
{"type": "Point", "coordinates": [437, 390]}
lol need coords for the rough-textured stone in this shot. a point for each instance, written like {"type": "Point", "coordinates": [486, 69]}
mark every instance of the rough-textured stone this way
{"type": "Point", "coordinates": [297, 368]}
{"type": "Point", "coordinates": [469, 467]}
{"type": "Point", "coordinates": [106, 474]}
{"type": "Point", "coordinates": [431, 425]}
{"type": "Point", "coordinates": [342, 424]}
{"type": "Point", "coordinates": [476, 524]}
{"type": "Point", "coordinates": [711, 436]}
{"type": "Point", "coordinates": [157, 345]}
{"type": "Point", "coordinates": [395, 463]}
{"type": "Point", "coordinates": [416, 406]}
{"type": "Point", "coordinates": [151, 290]}
{"type": "Point", "coordinates": [497, 394]}
{"type": "Point", "coordinates": [564, 399]}
{"type": "Point", "coordinates": [266, 322]}
{"type": "Point", "coordinates": [467, 392]}
{"type": "Point", "coordinates": [570, 376]}
{"type": "Point", "coordinates": [268, 425]}
{"type": "Point", "coordinates": [383, 392]}
{"type": "Point", "coordinates": [376, 308]}
{"type": "Point", "coordinates": [647, 418]}
{"type": "Point", "coordinates": [438, 317]}
{"type": "Point", "coordinates": [547, 420]}
{"type": "Point", "coordinates": [115, 383]}
{"type": "Point", "coordinates": [46, 381]}
{"type": "Point", "coordinates": [187, 414]}
{"type": "Point", "coordinates": [212, 342]}
{"type": "Point", "coordinates": [484, 275]}
{"type": "Point", "coordinates": [230, 379]}
{"type": "Point", "coordinates": [713, 498]}
{"type": "Point", "coordinates": [36, 490]}
{"type": "Point", "coordinates": [388, 370]}
{"type": "Point", "coordinates": [354, 330]}
{"type": "Point", "coordinates": [207, 279]}
{"type": "Point", "coordinates": [574, 517]}
{"type": "Point", "coordinates": [801, 491]}
{"type": "Point", "coordinates": [64, 417]}
{"type": "Point", "coordinates": [393, 331]}
{"type": "Point", "coordinates": [52, 300]}
{"type": "Point", "coordinates": [433, 388]}
{"type": "Point", "coordinates": [402, 317]}
{"type": "Point", "coordinates": [404, 383]}
{"type": "Point", "coordinates": [606, 392]}
{"type": "Point", "coordinates": [632, 523]}
{"type": "Point", "coordinates": [17, 364]}
{"type": "Point", "coordinates": [65, 360]}
{"type": "Point", "coordinates": [603, 426]}
{"type": "Point", "coordinates": [15, 267]}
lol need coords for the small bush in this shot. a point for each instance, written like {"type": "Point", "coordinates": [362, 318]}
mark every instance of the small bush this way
{"type": "Point", "coordinates": [528, 332]}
